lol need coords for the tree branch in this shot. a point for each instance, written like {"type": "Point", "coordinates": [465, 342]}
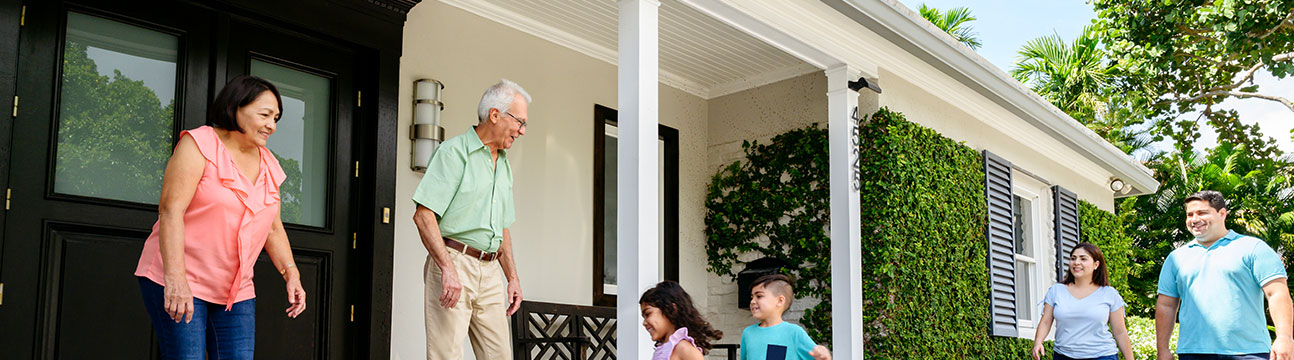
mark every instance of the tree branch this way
{"type": "Point", "coordinates": [1238, 94]}
{"type": "Point", "coordinates": [1197, 57]}
{"type": "Point", "coordinates": [1288, 22]}
{"type": "Point", "coordinates": [1229, 89]}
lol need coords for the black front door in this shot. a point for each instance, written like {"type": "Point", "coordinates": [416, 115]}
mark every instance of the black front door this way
{"type": "Point", "coordinates": [105, 89]}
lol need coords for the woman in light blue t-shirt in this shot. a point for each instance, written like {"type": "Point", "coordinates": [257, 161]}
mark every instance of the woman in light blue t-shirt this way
{"type": "Point", "coordinates": [1085, 308]}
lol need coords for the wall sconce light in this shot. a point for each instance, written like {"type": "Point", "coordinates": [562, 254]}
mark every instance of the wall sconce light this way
{"type": "Point", "coordinates": [1117, 185]}
{"type": "Point", "coordinates": [426, 131]}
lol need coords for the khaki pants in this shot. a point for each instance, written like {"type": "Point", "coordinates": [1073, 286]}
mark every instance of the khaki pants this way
{"type": "Point", "coordinates": [481, 311]}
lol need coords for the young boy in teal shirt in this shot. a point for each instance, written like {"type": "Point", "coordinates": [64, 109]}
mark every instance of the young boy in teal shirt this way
{"type": "Point", "coordinates": [772, 338]}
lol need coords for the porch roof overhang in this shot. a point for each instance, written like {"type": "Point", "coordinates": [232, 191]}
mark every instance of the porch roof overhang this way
{"type": "Point", "coordinates": [908, 30]}
{"type": "Point", "coordinates": [711, 48]}
{"type": "Point", "coordinates": [699, 53]}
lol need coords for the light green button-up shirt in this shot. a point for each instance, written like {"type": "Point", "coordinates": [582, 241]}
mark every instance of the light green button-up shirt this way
{"type": "Point", "coordinates": [472, 197]}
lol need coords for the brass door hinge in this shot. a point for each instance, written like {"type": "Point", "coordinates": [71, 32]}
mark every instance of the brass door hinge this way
{"type": "Point", "coordinates": [352, 240]}
{"type": "Point", "coordinates": [15, 106]}
{"type": "Point", "coordinates": [1, 293]}
{"type": "Point", "coordinates": [386, 215]}
{"type": "Point", "coordinates": [356, 169]}
{"type": "Point", "coordinates": [359, 98]}
{"type": "Point", "coordinates": [8, 194]}
{"type": "Point", "coordinates": [352, 313]}
{"type": "Point", "coordinates": [22, 20]}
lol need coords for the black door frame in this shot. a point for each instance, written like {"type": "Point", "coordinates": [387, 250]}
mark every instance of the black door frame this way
{"type": "Point", "coordinates": [374, 25]}
{"type": "Point", "coordinates": [603, 116]}
{"type": "Point", "coordinates": [11, 14]}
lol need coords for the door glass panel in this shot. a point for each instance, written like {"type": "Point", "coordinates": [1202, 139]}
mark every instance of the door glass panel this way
{"type": "Point", "coordinates": [301, 141]}
{"type": "Point", "coordinates": [610, 243]}
{"type": "Point", "coordinates": [116, 110]}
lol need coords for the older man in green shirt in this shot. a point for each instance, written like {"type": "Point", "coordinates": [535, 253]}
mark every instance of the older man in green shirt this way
{"type": "Point", "coordinates": [463, 213]}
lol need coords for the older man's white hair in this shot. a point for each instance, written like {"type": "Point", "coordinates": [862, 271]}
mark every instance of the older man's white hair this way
{"type": "Point", "coordinates": [499, 96]}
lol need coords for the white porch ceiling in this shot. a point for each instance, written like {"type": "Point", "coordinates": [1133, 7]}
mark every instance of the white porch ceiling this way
{"type": "Point", "coordinates": [698, 54]}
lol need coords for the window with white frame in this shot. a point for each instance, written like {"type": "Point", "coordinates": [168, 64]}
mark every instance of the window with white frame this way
{"type": "Point", "coordinates": [1029, 279]}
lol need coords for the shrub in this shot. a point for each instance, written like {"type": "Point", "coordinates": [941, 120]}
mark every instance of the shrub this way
{"type": "Point", "coordinates": [1142, 333]}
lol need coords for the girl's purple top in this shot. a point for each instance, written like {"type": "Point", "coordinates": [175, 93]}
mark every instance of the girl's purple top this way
{"type": "Point", "coordinates": [666, 349]}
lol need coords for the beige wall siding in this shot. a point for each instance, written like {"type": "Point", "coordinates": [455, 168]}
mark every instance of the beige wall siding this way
{"type": "Point", "coordinates": [552, 163]}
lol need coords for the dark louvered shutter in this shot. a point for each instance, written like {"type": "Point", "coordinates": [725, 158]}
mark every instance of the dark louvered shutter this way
{"type": "Point", "coordinates": [1066, 218]}
{"type": "Point", "coordinates": [1001, 244]}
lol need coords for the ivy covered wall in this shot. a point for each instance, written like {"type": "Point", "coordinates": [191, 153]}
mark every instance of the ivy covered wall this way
{"type": "Point", "coordinates": [925, 279]}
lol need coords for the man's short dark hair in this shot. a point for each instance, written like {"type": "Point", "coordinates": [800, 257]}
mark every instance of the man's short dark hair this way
{"type": "Point", "coordinates": [240, 91]}
{"type": "Point", "coordinates": [1214, 198]}
{"type": "Point", "coordinates": [778, 284]}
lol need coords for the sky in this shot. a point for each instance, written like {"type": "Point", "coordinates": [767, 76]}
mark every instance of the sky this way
{"type": "Point", "coordinates": [1004, 26]}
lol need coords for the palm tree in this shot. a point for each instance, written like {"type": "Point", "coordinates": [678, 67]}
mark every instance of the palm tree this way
{"type": "Point", "coordinates": [1080, 80]}
{"type": "Point", "coordinates": [1070, 76]}
{"type": "Point", "coordinates": [955, 22]}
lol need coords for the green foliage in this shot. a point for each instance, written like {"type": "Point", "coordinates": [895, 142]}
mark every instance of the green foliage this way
{"type": "Point", "coordinates": [774, 204]}
{"type": "Point", "coordinates": [925, 287]}
{"type": "Point", "coordinates": [1192, 55]}
{"type": "Point", "coordinates": [1141, 331]}
{"type": "Point", "coordinates": [290, 201]}
{"type": "Point", "coordinates": [955, 22]}
{"type": "Point", "coordinates": [114, 134]}
{"type": "Point", "coordinates": [1079, 79]}
{"type": "Point", "coordinates": [1071, 76]}
{"type": "Point", "coordinates": [1105, 230]}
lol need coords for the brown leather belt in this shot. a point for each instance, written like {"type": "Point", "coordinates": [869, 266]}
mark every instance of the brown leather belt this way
{"type": "Point", "coordinates": [470, 251]}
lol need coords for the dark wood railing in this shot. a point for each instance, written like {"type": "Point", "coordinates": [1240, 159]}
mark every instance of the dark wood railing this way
{"type": "Point", "coordinates": [544, 331]}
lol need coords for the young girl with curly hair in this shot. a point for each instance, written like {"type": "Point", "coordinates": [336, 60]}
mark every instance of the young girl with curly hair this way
{"type": "Point", "coordinates": [670, 319]}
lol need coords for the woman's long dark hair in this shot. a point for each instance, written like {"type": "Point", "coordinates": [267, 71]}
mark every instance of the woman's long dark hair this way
{"type": "Point", "coordinates": [1100, 276]}
{"type": "Point", "coordinates": [676, 305]}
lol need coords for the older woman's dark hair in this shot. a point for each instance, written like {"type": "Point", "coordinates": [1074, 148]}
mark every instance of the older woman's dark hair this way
{"type": "Point", "coordinates": [240, 91]}
{"type": "Point", "coordinates": [676, 305]}
{"type": "Point", "coordinates": [1100, 276]}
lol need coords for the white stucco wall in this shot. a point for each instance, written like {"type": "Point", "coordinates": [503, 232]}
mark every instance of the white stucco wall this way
{"type": "Point", "coordinates": [552, 163]}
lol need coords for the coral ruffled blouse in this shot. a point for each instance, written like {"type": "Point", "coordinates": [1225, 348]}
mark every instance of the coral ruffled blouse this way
{"type": "Point", "coordinates": [225, 226]}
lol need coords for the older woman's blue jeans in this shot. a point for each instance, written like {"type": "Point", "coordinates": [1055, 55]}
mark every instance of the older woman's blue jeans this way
{"type": "Point", "coordinates": [224, 334]}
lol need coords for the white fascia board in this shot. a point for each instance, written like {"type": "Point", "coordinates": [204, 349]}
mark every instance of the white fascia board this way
{"type": "Point", "coordinates": [909, 31]}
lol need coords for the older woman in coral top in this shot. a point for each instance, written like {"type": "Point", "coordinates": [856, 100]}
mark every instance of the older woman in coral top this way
{"type": "Point", "coordinates": [219, 209]}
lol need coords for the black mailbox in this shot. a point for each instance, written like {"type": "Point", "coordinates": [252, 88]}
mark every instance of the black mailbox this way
{"type": "Point", "coordinates": [754, 270]}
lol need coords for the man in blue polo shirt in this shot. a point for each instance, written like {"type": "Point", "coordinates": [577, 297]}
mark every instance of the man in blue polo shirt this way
{"type": "Point", "coordinates": [1216, 285]}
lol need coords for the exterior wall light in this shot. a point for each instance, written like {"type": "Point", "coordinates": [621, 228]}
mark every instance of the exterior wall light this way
{"type": "Point", "coordinates": [426, 131]}
{"type": "Point", "coordinates": [1117, 185]}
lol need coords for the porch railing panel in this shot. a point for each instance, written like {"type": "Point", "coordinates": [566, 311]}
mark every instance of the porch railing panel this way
{"type": "Point", "coordinates": [544, 331]}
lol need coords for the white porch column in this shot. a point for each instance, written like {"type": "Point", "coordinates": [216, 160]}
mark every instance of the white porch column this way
{"type": "Point", "coordinates": [846, 246]}
{"type": "Point", "coordinates": [636, 196]}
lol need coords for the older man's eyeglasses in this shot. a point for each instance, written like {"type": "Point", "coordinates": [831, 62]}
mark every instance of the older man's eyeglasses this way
{"type": "Point", "coordinates": [514, 117]}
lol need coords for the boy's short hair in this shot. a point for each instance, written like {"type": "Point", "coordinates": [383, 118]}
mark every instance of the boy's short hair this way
{"type": "Point", "coordinates": [778, 284]}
